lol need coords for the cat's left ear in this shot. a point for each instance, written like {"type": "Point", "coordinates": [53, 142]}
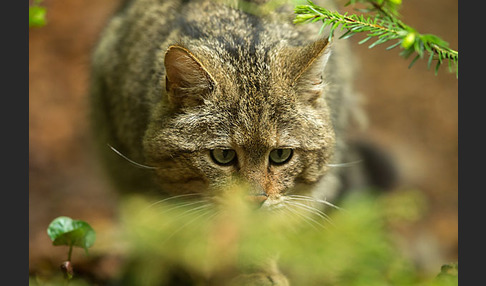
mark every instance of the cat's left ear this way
{"type": "Point", "coordinates": [308, 68]}
{"type": "Point", "coordinates": [187, 80]}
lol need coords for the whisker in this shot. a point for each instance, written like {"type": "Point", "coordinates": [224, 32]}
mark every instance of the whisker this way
{"type": "Point", "coordinates": [131, 161]}
{"type": "Point", "coordinates": [178, 206]}
{"type": "Point", "coordinates": [315, 200]}
{"type": "Point", "coordinates": [312, 209]}
{"type": "Point", "coordinates": [170, 198]}
{"type": "Point", "coordinates": [304, 199]}
{"type": "Point", "coordinates": [305, 218]}
{"type": "Point", "coordinates": [216, 213]}
{"type": "Point", "coordinates": [205, 212]}
{"type": "Point", "coordinates": [285, 214]}
{"type": "Point", "coordinates": [192, 211]}
{"type": "Point", "coordinates": [347, 164]}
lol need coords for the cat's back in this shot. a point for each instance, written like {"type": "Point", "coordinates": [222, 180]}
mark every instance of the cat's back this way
{"type": "Point", "coordinates": [140, 25]}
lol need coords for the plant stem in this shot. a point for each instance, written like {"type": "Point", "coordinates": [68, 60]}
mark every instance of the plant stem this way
{"type": "Point", "coordinates": [69, 253]}
{"type": "Point", "coordinates": [390, 17]}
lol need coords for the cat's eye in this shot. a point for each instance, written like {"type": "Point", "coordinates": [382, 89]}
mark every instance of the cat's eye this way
{"type": "Point", "coordinates": [223, 157]}
{"type": "Point", "coordinates": [280, 156]}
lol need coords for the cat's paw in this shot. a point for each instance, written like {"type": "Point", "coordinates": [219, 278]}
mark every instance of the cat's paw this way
{"type": "Point", "coordinates": [260, 279]}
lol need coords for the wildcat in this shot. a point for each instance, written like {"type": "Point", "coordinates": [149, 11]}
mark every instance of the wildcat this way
{"type": "Point", "coordinates": [203, 93]}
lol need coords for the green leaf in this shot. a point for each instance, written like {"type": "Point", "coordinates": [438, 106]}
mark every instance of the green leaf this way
{"type": "Point", "coordinates": [377, 42]}
{"type": "Point", "coordinates": [346, 35]}
{"type": "Point", "coordinates": [393, 46]}
{"type": "Point", "coordinates": [66, 231]}
{"type": "Point", "coordinates": [439, 62]}
{"type": "Point", "coordinates": [364, 40]}
{"type": "Point", "coordinates": [431, 57]}
{"type": "Point", "coordinates": [37, 16]}
{"type": "Point", "coordinates": [413, 61]}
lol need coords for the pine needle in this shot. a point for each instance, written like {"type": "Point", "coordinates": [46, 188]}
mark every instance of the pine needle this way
{"type": "Point", "coordinates": [382, 23]}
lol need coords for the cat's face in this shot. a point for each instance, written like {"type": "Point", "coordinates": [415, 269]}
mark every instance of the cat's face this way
{"type": "Point", "coordinates": [266, 124]}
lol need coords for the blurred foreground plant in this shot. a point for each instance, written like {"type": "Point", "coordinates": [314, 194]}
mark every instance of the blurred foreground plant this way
{"type": "Point", "coordinates": [189, 240]}
{"type": "Point", "coordinates": [352, 246]}
{"type": "Point", "coordinates": [37, 14]}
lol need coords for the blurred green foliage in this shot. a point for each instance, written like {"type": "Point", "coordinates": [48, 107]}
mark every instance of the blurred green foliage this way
{"type": "Point", "coordinates": [37, 14]}
{"type": "Point", "coordinates": [353, 246]}
{"type": "Point", "coordinates": [188, 240]}
{"type": "Point", "coordinates": [57, 280]}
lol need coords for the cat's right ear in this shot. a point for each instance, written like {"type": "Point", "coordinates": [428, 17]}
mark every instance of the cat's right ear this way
{"type": "Point", "coordinates": [187, 81]}
{"type": "Point", "coordinates": [302, 67]}
{"type": "Point", "coordinates": [309, 64]}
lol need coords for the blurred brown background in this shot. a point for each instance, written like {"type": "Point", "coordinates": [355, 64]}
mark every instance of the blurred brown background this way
{"type": "Point", "coordinates": [412, 112]}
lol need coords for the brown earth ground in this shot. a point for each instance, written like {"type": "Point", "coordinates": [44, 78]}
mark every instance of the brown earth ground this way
{"type": "Point", "coordinates": [412, 113]}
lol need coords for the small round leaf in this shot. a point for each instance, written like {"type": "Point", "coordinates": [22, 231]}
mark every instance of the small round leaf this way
{"type": "Point", "coordinates": [66, 231]}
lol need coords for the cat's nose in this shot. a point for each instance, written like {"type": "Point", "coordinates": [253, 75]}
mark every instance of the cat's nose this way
{"type": "Point", "coordinates": [258, 199]}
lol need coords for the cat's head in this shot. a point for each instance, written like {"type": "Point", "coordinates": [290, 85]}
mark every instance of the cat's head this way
{"type": "Point", "coordinates": [259, 116]}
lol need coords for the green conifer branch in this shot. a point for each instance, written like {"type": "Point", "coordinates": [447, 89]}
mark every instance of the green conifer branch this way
{"type": "Point", "coordinates": [384, 25]}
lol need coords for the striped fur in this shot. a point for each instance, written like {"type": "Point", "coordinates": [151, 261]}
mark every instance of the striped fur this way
{"type": "Point", "coordinates": [175, 79]}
